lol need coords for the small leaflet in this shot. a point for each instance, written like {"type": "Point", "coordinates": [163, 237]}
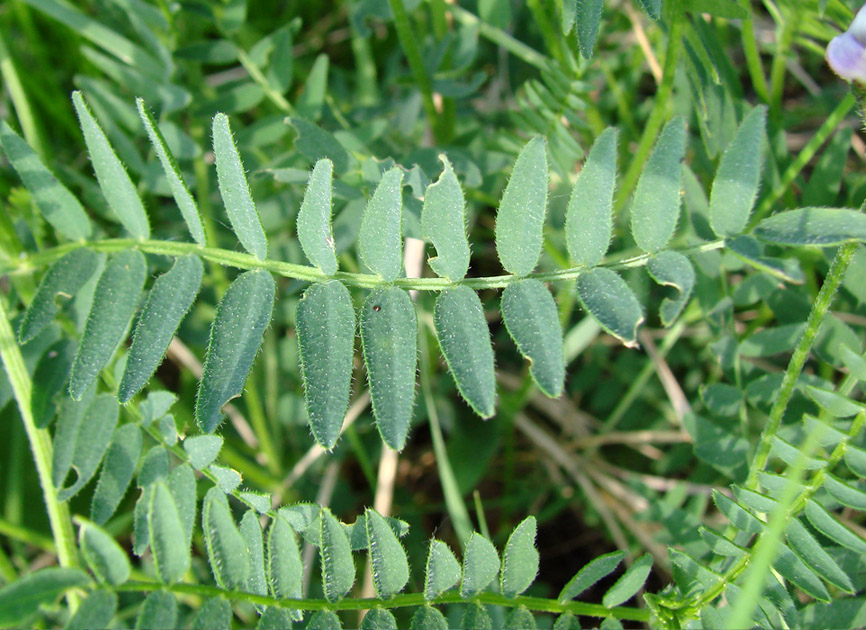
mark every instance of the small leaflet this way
{"type": "Point", "coordinates": [672, 269]}
{"type": "Point", "coordinates": [105, 558]}
{"type": "Point", "coordinates": [171, 555]}
{"type": "Point", "coordinates": [380, 238]}
{"type": "Point", "coordinates": [480, 565]}
{"type": "Point", "coordinates": [442, 571]}
{"type": "Point", "coordinates": [606, 296]}
{"type": "Point", "coordinates": [823, 227]}
{"type": "Point", "coordinates": [338, 567]}
{"type": "Point", "coordinates": [443, 221]}
{"type": "Point", "coordinates": [520, 559]}
{"type": "Point", "coordinates": [117, 470]}
{"type": "Point", "coordinates": [314, 219]}
{"type": "Point", "coordinates": [226, 549]}
{"type": "Point", "coordinates": [388, 562]}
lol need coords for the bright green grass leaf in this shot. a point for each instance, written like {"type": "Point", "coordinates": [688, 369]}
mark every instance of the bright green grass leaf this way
{"type": "Point", "coordinates": [816, 558]}
{"type": "Point", "coordinates": [158, 612]}
{"type": "Point", "coordinates": [442, 571]}
{"type": "Point", "coordinates": [475, 617]}
{"type": "Point", "coordinates": [606, 296]}
{"type": "Point", "coordinates": [59, 206]}
{"type": "Point", "coordinates": [740, 517]}
{"type": "Point", "coordinates": [338, 567]}
{"type": "Point", "coordinates": [845, 493]}
{"type": "Point", "coordinates": [324, 620]}
{"type": "Point", "coordinates": [314, 219]}
{"type": "Point", "coordinates": [251, 531]}
{"type": "Point", "coordinates": [629, 583]}
{"type": "Point", "coordinates": [465, 341]}
{"type": "Point", "coordinates": [315, 143]}
{"type": "Point", "coordinates": [285, 571]}
{"type": "Point", "coordinates": [242, 315]}
{"type": "Point", "coordinates": [652, 7]}
{"type": "Point", "coordinates": [480, 565]}
{"type": "Point", "coordinates": [520, 559]}
{"type": "Point", "coordinates": [226, 549]}
{"type": "Point", "coordinates": [588, 19]}
{"type": "Point", "coordinates": [202, 450]}
{"type": "Point", "coordinates": [91, 439]}
{"type": "Point", "coordinates": [795, 571]}
{"type": "Point", "coordinates": [167, 304]}
{"type": "Point", "coordinates": [530, 315]}
{"type": "Point", "coordinates": [588, 219]}
{"type": "Point", "coordinates": [64, 279]}
{"type": "Point", "coordinates": [380, 238]}
{"type": "Point", "coordinates": [117, 470]}
{"type": "Point", "coordinates": [105, 558]}
{"type": "Point", "coordinates": [179, 190]}
{"type": "Point", "coordinates": [388, 562]}
{"type": "Point", "coordinates": [443, 222]}
{"type": "Point", "coordinates": [672, 269]}
{"type": "Point", "coordinates": [520, 219]}
{"type": "Point", "coordinates": [168, 540]}
{"type": "Point", "coordinates": [656, 206]}
{"type": "Point", "coordinates": [735, 187]}
{"type": "Point", "coordinates": [379, 619]}
{"type": "Point", "coordinates": [855, 460]}
{"type": "Point", "coordinates": [21, 599]}
{"type": "Point", "coordinates": [114, 303]}
{"type": "Point", "coordinates": [182, 484]}
{"type": "Point", "coordinates": [229, 480]}
{"type": "Point", "coordinates": [428, 618]}
{"type": "Point", "coordinates": [51, 374]}
{"type": "Point", "coordinates": [591, 573]}
{"type": "Point", "coordinates": [96, 611]}
{"type": "Point", "coordinates": [118, 189]}
{"type": "Point", "coordinates": [520, 619]}
{"type": "Point", "coordinates": [214, 614]}
{"type": "Point", "coordinates": [566, 621]}
{"type": "Point", "coordinates": [235, 190]}
{"type": "Point", "coordinates": [824, 227]}
{"type": "Point", "coordinates": [325, 321]}
{"type": "Point", "coordinates": [389, 337]}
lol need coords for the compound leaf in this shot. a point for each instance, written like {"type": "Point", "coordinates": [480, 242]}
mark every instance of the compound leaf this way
{"type": "Point", "coordinates": [443, 221]}
{"type": "Point", "coordinates": [816, 558]}
{"type": "Point", "coordinates": [825, 523]}
{"type": "Point", "coordinates": [380, 238]}
{"type": "Point", "coordinates": [202, 449]}
{"type": "Point", "coordinates": [314, 219]}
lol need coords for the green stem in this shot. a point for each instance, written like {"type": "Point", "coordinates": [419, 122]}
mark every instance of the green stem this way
{"type": "Point", "coordinates": [798, 359]}
{"type": "Point", "coordinates": [240, 260]}
{"type": "Point", "coordinates": [261, 80]}
{"type": "Point", "coordinates": [538, 604]}
{"type": "Point", "coordinates": [753, 57]}
{"type": "Point", "coordinates": [19, 100]}
{"type": "Point", "coordinates": [40, 444]}
{"type": "Point", "coordinates": [500, 38]}
{"type": "Point", "coordinates": [780, 60]}
{"type": "Point", "coordinates": [660, 106]}
{"type": "Point", "coordinates": [260, 426]}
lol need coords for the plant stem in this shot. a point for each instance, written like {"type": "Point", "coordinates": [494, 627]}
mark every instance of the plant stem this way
{"type": "Point", "coordinates": [19, 100]}
{"type": "Point", "coordinates": [501, 38]}
{"type": "Point", "coordinates": [753, 57]}
{"type": "Point", "coordinates": [780, 59]}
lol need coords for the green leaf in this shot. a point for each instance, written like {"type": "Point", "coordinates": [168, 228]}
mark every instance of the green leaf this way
{"type": "Point", "coordinates": [91, 439]}
{"type": "Point", "coordinates": [569, 12]}
{"type": "Point", "coordinates": [235, 190]}
{"type": "Point", "coordinates": [96, 611]}
{"type": "Point", "coordinates": [105, 558]}
{"type": "Point", "coordinates": [442, 571]}
{"type": "Point", "coordinates": [312, 97]}
{"type": "Point", "coordinates": [610, 301]}
{"type": "Point", "coordinates": [228, 479]}
{"type": "Point", "coordinates": [591, 573]}
{"type": "Point", "coordinates": [823, 227]}
{"type": "Point", "coordinates": [835, 404]}
{"type": "Point", "coordinates": [741, 519]}
{"type": "Point", "coordinates": [845, 493]}
{"type": "Point", "coordinates": [672, 269]}
{"type": "Point", "coordinates": [755, 500]}
{"type": "Point", "coordinates": [214, 614]}
{"type": "Point", "coordinates": [721, 545]}
{"type": "Point", "coordinates": [816, 558]}
{"type": "Point", "coordinates": [21, 599]}
{"type": "Point", "coordinates": [465, 341]}
{"type": "Point", "coordinates": [325, 323]}
{"type": "Point", "coordinates": [275, 618]}
{"type": "Point", "coordinates": [652, 7]}
{"type": "Point", "coordinates": [118, 189]}
{"type": "Point", "coordinates": [167, 537]}
{"type": "Point", "coordinates": [285, 571]}
{"type": "Point", "coordinates": [242, 315]}
{"type": "Point", "coordinates": [324, 620]}
{"type": "Point", "coordinates": [167, 304]}
{"type": "Point", "coordinates": [315, 143]}
{"type": "Point", "coordinates": [735, 187]}
{"type": "Point", "coordinates": [751, 250]}
{"type": "Point", "coordinates": [179, 190]}
{"type": "Point", "coordinates": [691, 576]}
{"type": "Point", "coordinates": [719, 8]}
{"type": "Point", "coordinates": [226, 549]}
{"type": "Point", "coordinates": [158, 612]}
{"type": "Point", "coordinates": [428, 618]}
{"type": "Point", "coordinates": [566, 621]}
{"type": "Point", "coordinates": [588, 19]}
{"type": "Point", "coordinates": [443, 222]}
{"type": "Point", "coordinates": [520, 559]}
{"type": "Point", "coordinates": [480, 565]}
{"type": "Point", "coordinates": [520, 218]}
{"type": "Point", "coordinates": [389, 337]}
{"type": "Point", "coordinates": [520, 619]}
{"type": "Point", "coordinates": [314, 219]}
{"type": "Point", "coordinates": [114, 303]}
{"type": "Point", "coordinates": [793, 569]}
{"type": "Point", "coordinates": [59, 206]}
{"type": "Point", "coordinates": [656, 206]}
{"type": "Point", "coordinates": [588, 219]}
{"type": "Point", "coordinates": [629, 583]}
{"type": "Point", "coordinates": [182, 484]}
{"type": "Point", "coordinates": [380, 238]}
{"type": "Point", "coordinates": [52, 373]}
{"type": "Point", "coordinates": [532, 320]}
{"type": "Point", "coordinates": [770, 341]}
{"type": "Point", "coordinates": [855, 460]}
{"type": "Point", "coordinates": [475, 617]}
{"type": "Point", "coordinates": [379, 619]}
{"type": "Point", "coordinates": [388, 562]}
{"type": "Point", "coordinates": [251, 531]}
{"type": "Point", "coordinates": [789, 454]}
{"type": "Point", "coordinates": [64, 279]}
{"type": "Point", "coordinates": [854, 361]}
{"type": "Point", "coordinates": [202, 450]}
{"type": "Point", "coordinates": [338, 567]}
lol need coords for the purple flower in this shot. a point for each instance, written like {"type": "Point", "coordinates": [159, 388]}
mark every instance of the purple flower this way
{"type": "Point", "coordinates": [846, 53]}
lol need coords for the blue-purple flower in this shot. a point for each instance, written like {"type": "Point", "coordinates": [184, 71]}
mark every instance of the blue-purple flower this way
{"type": "Point", "coordinates": [846, 53]}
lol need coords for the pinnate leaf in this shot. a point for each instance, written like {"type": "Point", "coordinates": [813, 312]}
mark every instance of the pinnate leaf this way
{"type": "Point", "coordinates": [380, 238]}
{"type": "Point", "coordinates": [443, 221]}
{"type": "Point", "coordinates": [630, 582]}
{"type": "Point", "coordinates": [606, 296]}
{"type": "Point", "coordinates": [816, 558]}
{"type": "Point", "coordinates": [656, 206]}
{"type": "Point", "coordinates": [121, 459]}
{"type": "Point", "coordinates": [325, 322]}
{"type": "Point", "coordinates": [251, 531]}
{"type": "Point", "coordinates": [226, 549]}
{"type": "Point", "coordinates": [794, 570]}
{"type": "Point", "coordinates": [285, 572]}
{"type": "Point", "coordinates": [242, 315]}
{"type": "Point", "coordinates": [480, 565]}
{"type": "Point", "coordinates": [389, 337]}
{"type": "Point", "coordinates": [672, 269]}
{"type": "Point", "coordinates": [520, 219]}
{"type": "Point", "coordinates": [442, 571]}
{"type": "Point", "coordinates": [520, 559]}
{"type": "Point", "coordinates": [596, 570]}
{"type": "Point", "coordinates": [388, 562]}
{"type": "Point", "coordinates": [118, 189]}
{"type": "Point", "coordinates": [235, 190]}
{"type": "Point", "coordinates": [168, 540]}
{"type": "Point", "coordinates": [827, 524]}
{"type": "Point", "coordinates": [21, 599]}
{"type": "Point", "coordinates": [338, 567]}
{"type": "Point", "coordinates": [314, 219]}
{"type": "Point", "coordinates": [823, 227]}
{"type": "Point", "coordinates": [103, 555]}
